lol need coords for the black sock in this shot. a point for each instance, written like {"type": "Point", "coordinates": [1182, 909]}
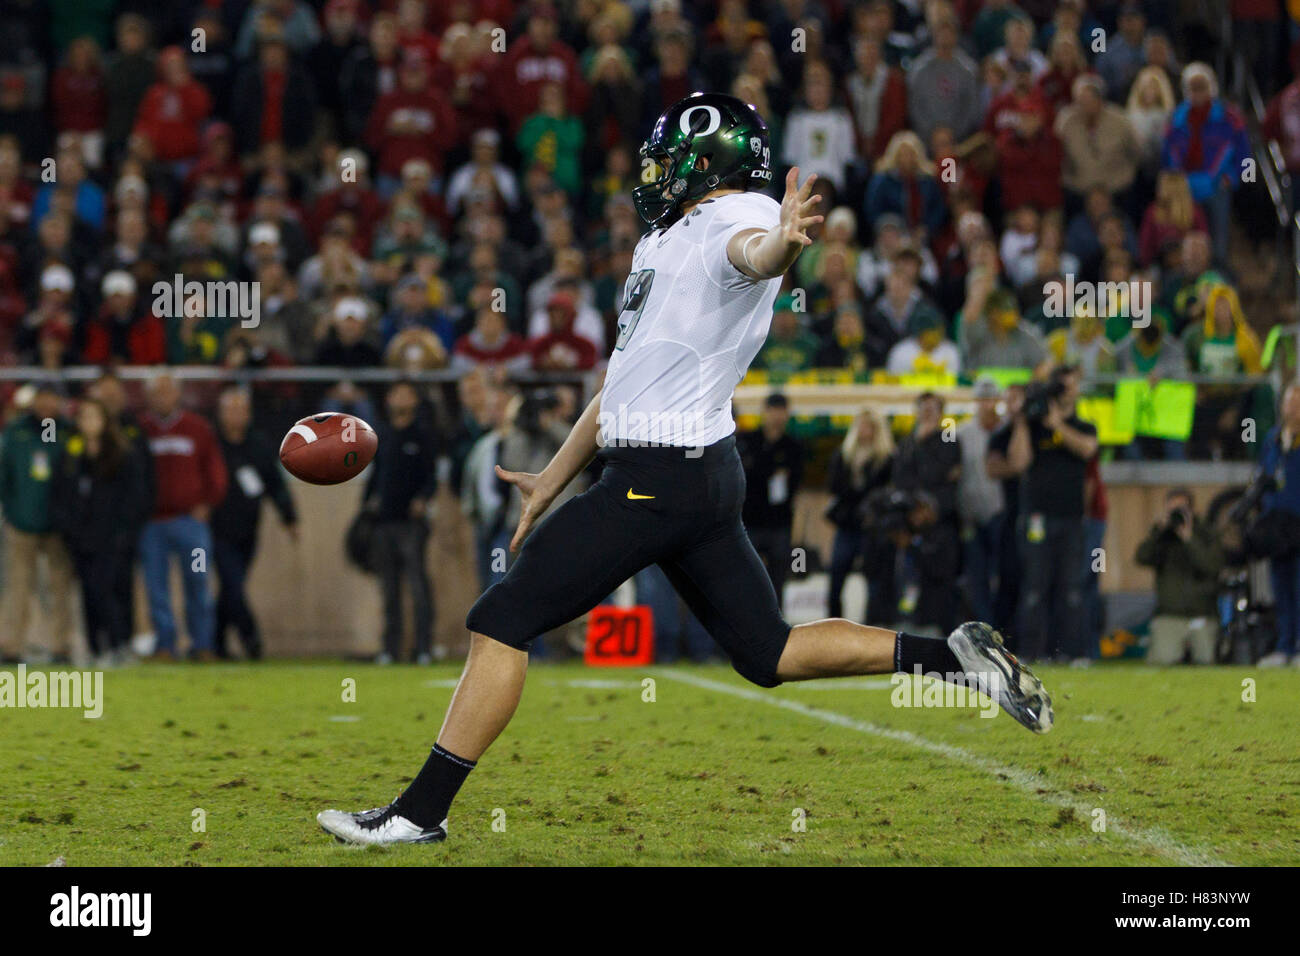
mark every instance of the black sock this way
{"type": "Point", "coordinates": [932, 654]}
{"type": "Point", "coordinates": [426, 801]}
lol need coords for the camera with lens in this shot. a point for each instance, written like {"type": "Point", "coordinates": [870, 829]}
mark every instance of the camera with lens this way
{"type": "Point", "coordinates": [533, 408]}
{"type": "Point", "coordinates": [1039, 396]}
{"type": "Point", "coordinates": [890, 511]}
{"type": "Point", "coordinates": [887, 510]}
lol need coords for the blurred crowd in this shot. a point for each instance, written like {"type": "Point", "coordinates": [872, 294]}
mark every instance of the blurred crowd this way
{"type": "Point", "coordinates": [1001, 517]}
{"type": "Point", "coordinates": [445, 184]}
{"type": "Point", "coordinates": [427, 185]}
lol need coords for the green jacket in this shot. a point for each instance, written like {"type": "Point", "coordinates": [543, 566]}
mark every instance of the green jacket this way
{"type": "Point", "coordinates": [556, 144]}
{"type": "Point", "coordinates": [1187, 572]}
{"type": "Point", "coordinates": [26, 470]}
{"type": "Point", "coordinates": [784, 357]}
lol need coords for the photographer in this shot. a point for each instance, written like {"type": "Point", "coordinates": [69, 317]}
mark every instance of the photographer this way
{"type": "Point", "coordinates": [930, 460]}
{"type": "Point", "coordinates": [1050, 447]}
{"type": "Point", "coordinates": [930, 553]}
{"type": "Point", "coordinates": [1187, 558]}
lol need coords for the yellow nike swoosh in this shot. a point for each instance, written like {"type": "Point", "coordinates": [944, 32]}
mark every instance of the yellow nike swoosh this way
{"type": "Point", "coordinates": [633, 496]}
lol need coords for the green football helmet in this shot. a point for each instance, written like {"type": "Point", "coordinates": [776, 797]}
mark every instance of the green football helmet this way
{"type": "Point", "coordinates": [726, 130]}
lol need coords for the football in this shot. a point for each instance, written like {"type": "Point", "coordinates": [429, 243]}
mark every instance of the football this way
{"type": "Point", "coordinates": [328, 448]}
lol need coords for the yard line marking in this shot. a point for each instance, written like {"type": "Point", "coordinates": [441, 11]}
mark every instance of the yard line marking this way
{"type": "Point", "coordinates": [1031, 783]}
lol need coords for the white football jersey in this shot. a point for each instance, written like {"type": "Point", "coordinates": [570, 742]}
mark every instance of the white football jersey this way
{"type": "Point", "coordinates": [691, 324]}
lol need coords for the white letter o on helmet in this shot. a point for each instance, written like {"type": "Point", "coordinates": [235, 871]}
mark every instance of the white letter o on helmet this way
{"type": "Point", "coordinates": [715, 120]}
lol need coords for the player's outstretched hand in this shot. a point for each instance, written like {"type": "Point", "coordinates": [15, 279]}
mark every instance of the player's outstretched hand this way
{"type": "Point", "coordinates": [797, 208]}
{"type": "Point", "coordinates": [535, 503]}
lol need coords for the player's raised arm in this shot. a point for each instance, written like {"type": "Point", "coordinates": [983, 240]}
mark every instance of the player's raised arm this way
{"type": "Point", "coordinates": [766, 254]}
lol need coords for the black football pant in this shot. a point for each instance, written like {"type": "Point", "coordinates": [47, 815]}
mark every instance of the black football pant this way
{"type": "Point", "coordinates": [675, 507]}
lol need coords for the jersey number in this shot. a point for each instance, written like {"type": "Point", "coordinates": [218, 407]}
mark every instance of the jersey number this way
{"type": "Point", "coordinates": [635, 294]}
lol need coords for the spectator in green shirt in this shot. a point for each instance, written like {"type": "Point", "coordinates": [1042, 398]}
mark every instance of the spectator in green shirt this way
{"type": "Point", "coordinates": [789, 347]}
{"type": "Point", "coordinates": [553, 139]}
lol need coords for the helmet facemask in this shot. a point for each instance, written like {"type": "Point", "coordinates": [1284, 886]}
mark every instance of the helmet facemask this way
{"type": "Point", "coordinates": [657, 201]}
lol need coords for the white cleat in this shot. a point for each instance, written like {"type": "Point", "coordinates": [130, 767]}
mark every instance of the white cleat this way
{"type": "Point", "coordinates": [378, 827]}
{"type": "Point", "coordinates": [999, 675]}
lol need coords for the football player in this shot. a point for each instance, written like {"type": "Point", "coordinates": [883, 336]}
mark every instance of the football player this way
{"type": "Point", "coordinates": [696, 309]}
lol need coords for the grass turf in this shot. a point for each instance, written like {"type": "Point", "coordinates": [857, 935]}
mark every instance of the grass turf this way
{"type": "Point", "coordinates": [712, 772]}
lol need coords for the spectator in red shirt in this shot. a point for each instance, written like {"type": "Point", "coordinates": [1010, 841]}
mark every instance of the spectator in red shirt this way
{"type": "Point", "coordinates": [54, 343]}
{"type": "Point", "coordinates": [1029, 154]}
{"type": "Point", "coordinates": [1282, 123]}
{"type": "Point", "coordinates": [412, 122]}
{"type": "Point", "coordinates": [56, 303]}
{"type": "Point", "coordinates": [16, 193]}
{"type": "Point", "coordinates": [80, 98]}
{"type": "Point", "coordinates": [877, 97]}
{"type": "Point", "coordinates": [490, 343]}
{"type": "Point", "coordinates": [533, 61]}
{"type": "Point", "coordinates": [218, 167]}
{"type": "Point", "coordinates": [465, 74]}
{"type": "Point", "coordinates": [173, 110]}
{"type": "Point", "coordinates": [1066, 64]}
{"type": "Point", "coordinates": [447, 12]}
{"type": "Point", "coordinates": [351, 194]}
{"type": "Point", "coordinates": [189, 480]}
{"type": "Point", "coordinates": [562, 349]}
{"type": "Point", "coordinates": [121, 332]}
{"type": "Point", "coordinates": [1170, 217]}
{"type": "Point", "coordinates": [412, 29]}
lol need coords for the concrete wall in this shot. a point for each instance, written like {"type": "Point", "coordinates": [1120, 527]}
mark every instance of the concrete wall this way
{"type": "Point", "coordinates": [310, 601]}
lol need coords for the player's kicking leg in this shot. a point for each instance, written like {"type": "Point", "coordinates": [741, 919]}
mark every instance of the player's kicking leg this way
{"type": "Point", "coordinates": [493, 680]}
{"type": "Point", "coordinates": [689, 523]}
{"type": "Point", "coordinates": [974, 652]}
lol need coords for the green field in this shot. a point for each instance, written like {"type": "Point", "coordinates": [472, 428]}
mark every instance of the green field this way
{"type": "Point", "coordinates": [714, 771]}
